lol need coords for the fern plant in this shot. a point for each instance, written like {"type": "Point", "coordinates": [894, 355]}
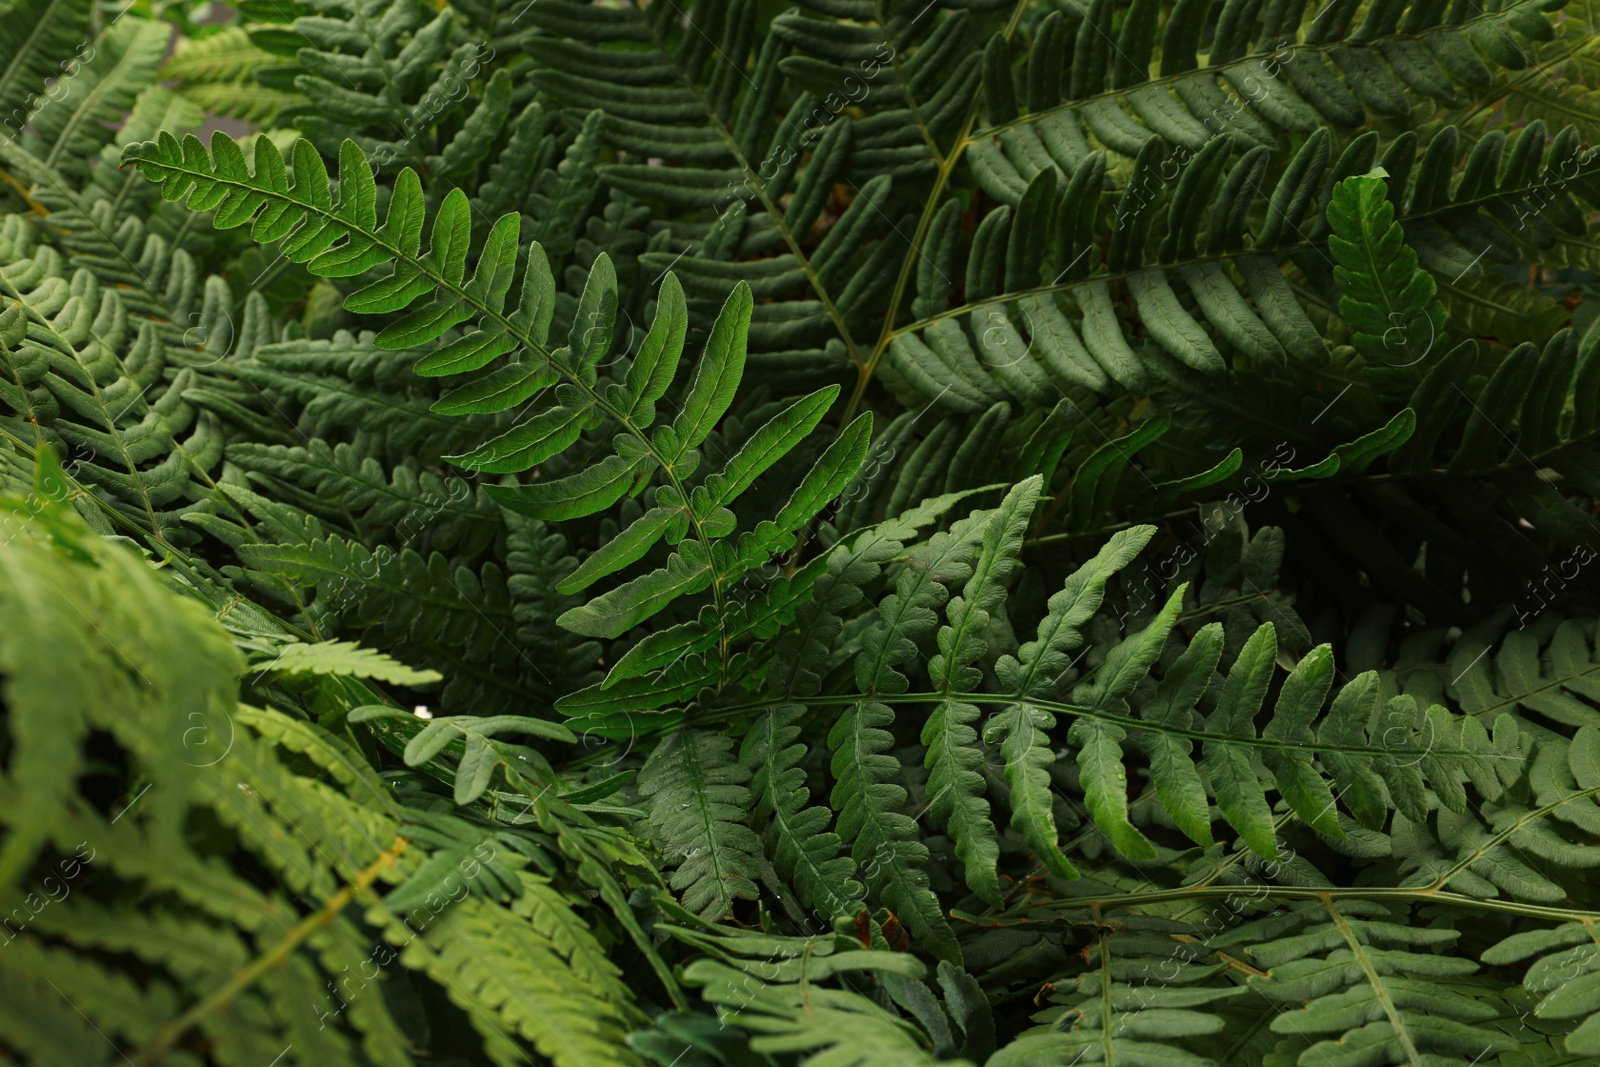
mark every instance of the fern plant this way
{"type": "Point", "coordinates": [870, 533]}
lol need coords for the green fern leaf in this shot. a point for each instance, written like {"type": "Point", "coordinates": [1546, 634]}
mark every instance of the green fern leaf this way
{"type": "Point", "coordinates": [1388, 300]}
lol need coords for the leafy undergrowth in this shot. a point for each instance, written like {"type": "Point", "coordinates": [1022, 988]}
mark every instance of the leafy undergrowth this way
{"type": "Point", "coordinates": [700, 535]}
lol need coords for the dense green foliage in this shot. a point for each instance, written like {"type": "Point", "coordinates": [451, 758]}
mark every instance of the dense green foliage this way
{"type": "Point", "coordinates": [704, 534]}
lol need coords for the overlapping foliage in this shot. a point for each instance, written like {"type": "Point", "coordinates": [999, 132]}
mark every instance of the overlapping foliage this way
{"type": "Point", "coordinates": [697, 533]}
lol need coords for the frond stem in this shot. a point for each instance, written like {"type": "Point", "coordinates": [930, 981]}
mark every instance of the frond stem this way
{"type": "Point", "coordinates": [297, 935]}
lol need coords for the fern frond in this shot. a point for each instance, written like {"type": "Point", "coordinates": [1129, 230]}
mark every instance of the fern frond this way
{"type": "Point", "coordinates": [1021, 729]}
{"type": "Point", "coordinates": [1388, 301]}
{"type": "Point", "coordinates": [1539, 675]}
{"type": "Point", "coordinates": [697, 794]}
{"type": "Point", "coordinates": [533, 975]}
{"type": "Point", "coordinates": [337, 479]}
{"type": "Point", "coordinates": [94, 378]}
{"type": "Point", "coordinates": [206, 938]}
{"type": "Point", "coordinates": [1140, 993]}
{"type": "Point", "coordinates": [1365, 980]}
{"type": "Point", "coordinates": [425, 609]}
{"type": "Point", "coordinates": [1262, 72]}
{"type": "Point", "coordinates": [953, 782]}
{"type": "Point", "coordinates": [67, 127]}
{"type": "Point", "coordinates": [802, 848]}
{"type": "Point", "coordinates": [1563, 958]}
{"type": "Point", "coordinates": [36, 38]}
{"type": "Point", "coordinates": [539, 559]}
{"type": "Point", "coordinates": [347, 659]}
{"type": "Point", "coordinates": [347, 240]}
{"type": "Point", "coordinates": [786, 991]}
{"type": "Point", "coordinates": [219, 74]}
{"type": "Point", "coordinates": [398, 79]}
{"type": "Point", "coordinates": [557, 202]}
{"type": "Point", "coordinates": [475, 739]}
